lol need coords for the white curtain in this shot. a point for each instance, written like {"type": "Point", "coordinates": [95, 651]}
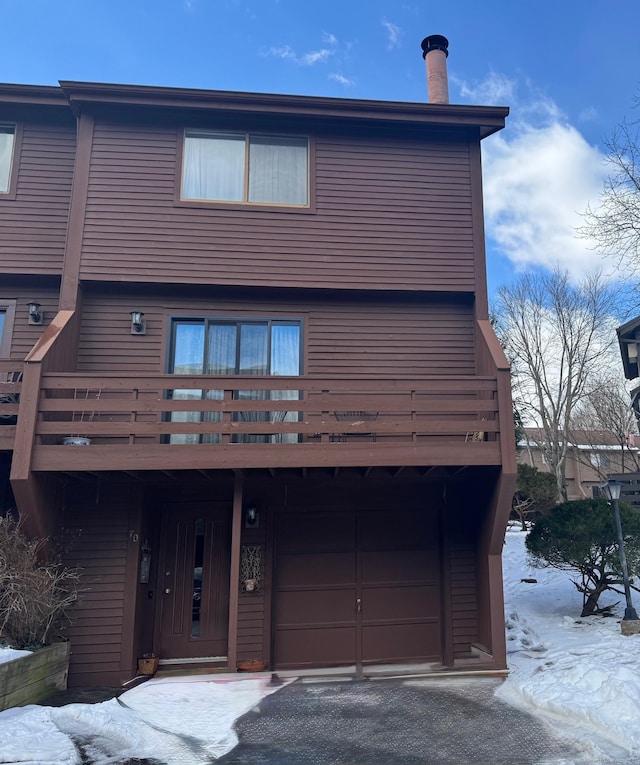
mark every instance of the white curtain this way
{"type": "Point", "coordinates": [285, 360]}
{"type": "Point", "coordinates": [188, 360]}
{"type": "Point", "coordinates": [213, 167]}
{"type": "Point", "coordinates": [221, 361]}
{"type": "Point", "coordinates": [6, 155]}
{"type": "Point", "coordinates": [278, 170]}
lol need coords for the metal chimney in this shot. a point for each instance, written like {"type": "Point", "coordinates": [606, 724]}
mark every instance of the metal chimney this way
{"type": "Point", "coordinates": [435, 50]}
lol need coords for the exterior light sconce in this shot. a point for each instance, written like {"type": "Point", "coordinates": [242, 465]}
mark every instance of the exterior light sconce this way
{"type": "Point", "coordinates": [35, 314]}
{"type": "Point", "coordinates": [138, 324]}
{"type": "Point", "coordinates": [611, 490]}
{"type": "Point", "coordinates": [251, 518]}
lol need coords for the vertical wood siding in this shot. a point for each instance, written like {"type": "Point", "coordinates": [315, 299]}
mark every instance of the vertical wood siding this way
{"type": "Point", "coordinates": [433, 336]}
{"type": "Point", "coordinates": [390, 212]}
{"type": "Point", "coordinates": [33, 226]}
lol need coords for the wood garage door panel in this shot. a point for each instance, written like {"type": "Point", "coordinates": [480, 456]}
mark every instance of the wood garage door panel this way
{"type": "Point", "coordinates": [400, 603]}
{"type": "Point", "coordinates": [397, 530]}
{"type": "Point", "coordinates": [321, 532]}
{"type": "Point", "coordinates": [356, 587]}
{"type": "Point", "coordinates": [401, 642]}
{"type": "Point", "coordinates": [315, 647]}
{"type": "Point", "coordinates": [388, 566]}
{"type": "Point", "coordinates": [318, 607]}
{"type": "Point", "coordinates": [316, 569]}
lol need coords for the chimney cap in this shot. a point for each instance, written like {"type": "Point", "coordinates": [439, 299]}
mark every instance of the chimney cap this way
{"type": "Point", "coordinates": [434, 42]}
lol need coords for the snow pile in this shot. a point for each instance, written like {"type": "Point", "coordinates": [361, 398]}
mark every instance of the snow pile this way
{"type": "Point", "coordinates": [577, 671]}
{"type": "Point", "coordinates": [186, 721]}
{"type": "Point", "coordinates": [9, 654]}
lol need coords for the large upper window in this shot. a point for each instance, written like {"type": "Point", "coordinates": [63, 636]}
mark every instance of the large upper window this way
{"type": "Point", "coordinates": [7, 142]}
{"type": "Point", "coordinates": [239, 167]}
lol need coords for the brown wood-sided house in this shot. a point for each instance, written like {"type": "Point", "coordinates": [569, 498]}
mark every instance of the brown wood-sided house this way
{"type": "Point", "coordinates": [247, 374]}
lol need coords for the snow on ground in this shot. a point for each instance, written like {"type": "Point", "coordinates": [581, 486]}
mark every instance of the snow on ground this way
{"type": "Point", "coordinates": [188, 720]}
{"type": "Point", "coordinates": [576, 671]}
{"type": "Point", "coordinates": [581, 674]}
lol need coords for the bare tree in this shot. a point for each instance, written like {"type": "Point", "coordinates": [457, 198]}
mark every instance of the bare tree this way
{"type": "Point", "coordinates": [605, 418]}
{"type": "Point", "coordinates": [557, 336]}
{"type": "Point", "coordinates": [614, 223]}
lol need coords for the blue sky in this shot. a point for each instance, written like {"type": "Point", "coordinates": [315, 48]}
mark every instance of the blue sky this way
{"type": "Point", "coordinates": [569, 71]}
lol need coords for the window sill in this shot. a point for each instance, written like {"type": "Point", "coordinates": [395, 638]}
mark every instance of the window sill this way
{"type": "Point", "coordinates": [253, 207]}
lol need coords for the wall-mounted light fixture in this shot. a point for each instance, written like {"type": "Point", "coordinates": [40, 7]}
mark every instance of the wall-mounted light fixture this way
{"type": "Point", "coordinates": [35, 314]}
{"type": "Point", "coordinates": [251, 517]}
{"type": "Point", "coordinates": [138, 324]}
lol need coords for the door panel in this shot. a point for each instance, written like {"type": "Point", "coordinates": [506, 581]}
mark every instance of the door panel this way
{"type": "Point", "coordinates": [356, 587]}
{"type": "Point", "coordinates": [194, 582]}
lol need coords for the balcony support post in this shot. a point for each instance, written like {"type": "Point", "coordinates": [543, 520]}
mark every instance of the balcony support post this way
{"type": "Point", "coordinates": [234, 574]}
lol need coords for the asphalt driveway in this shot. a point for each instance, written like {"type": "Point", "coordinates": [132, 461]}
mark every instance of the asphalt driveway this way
{"type": "Point", "coordinates": [399, 722]}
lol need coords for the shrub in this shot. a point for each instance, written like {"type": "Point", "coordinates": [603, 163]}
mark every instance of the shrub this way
{"type": "Point", "coordinates": [580, 536]}
{"type": "Point", "coordinates": [35, 594]}
{"type": "Point", "coordinates": [536, 493]}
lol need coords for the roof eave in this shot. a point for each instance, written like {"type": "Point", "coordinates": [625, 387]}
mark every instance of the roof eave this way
{"type": "Point", "coordinates": [38, 95]}
{"type": "Point", "coordinates": [87, 96]}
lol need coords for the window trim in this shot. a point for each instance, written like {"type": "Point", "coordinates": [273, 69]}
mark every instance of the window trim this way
{"type": "Point", "coordinates": [8, 307]}
{"type": "Point", "coordinates": [207, 319]}
{"type": "Point", "coordinates": [221, 204]}
{"type": "Point", "coordinates": [10, 193]}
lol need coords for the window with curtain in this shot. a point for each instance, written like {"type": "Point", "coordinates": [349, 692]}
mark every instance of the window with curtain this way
{"type": "Point", "coordinates": [7, 314]}
{"type": "Point", "coordinates": [7, 141]}
{"type": "Point", "coordinates": [229, 347]}
{"type": "Point", "coordinates": [238, 167]}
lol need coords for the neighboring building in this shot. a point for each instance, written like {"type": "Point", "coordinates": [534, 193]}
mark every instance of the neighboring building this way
{"type": "Point", "coordinates": [591, 457]}
{"type": "Point", "coordinates": [263, 322]}
{"type": "Point", "coordinates": [629, 341]}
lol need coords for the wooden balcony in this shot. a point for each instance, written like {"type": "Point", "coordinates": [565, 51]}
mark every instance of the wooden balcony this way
{"type": "Point", "coordinates": [10, 387]}
{"type": "Point", "coordinates": [176, 422]}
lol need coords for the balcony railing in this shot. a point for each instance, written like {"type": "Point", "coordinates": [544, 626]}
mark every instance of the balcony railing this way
{"type": "Point", "coordinates": [175, 409]}
{"type": "Point", "coordinates": [10, 387]}
{"type": "Point", "coordinates": [152, 416]}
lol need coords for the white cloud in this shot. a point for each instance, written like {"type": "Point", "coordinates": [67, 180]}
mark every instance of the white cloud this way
{"type": "Point", "coordinates": [588, 115]}
{"type": "Point", "coordinates": [496, 89]}
{"type": "Point", "coordinates": [284, 51]}
{"type": "Point", "coordinates": [393, 33]}
{"type": "Point", "coordinates": [341, 79]}
{"type": "Point", "coordinates": [539, 175]}
{"type": "Point", "coordinates": [316, 56]}
{"type": "Point", "coordinates": [310, 58]}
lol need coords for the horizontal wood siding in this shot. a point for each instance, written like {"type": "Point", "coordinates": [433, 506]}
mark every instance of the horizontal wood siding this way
{"type": "Point", "coordinates": [464, 606]}
{"type": "Point", "coordinates": [433, 336]}
{"type": "Point", "coordinates": [33, 226]}
{"type": "Point", "coordinates": [390, 212]}
{"type": "Point", "coordinates": [99, 548]}
{"type": "Point", "coordinates": [251, 605]}
{"type": "Point", "coordinates": [25, 335]}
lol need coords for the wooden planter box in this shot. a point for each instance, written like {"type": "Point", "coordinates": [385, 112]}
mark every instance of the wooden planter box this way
{"type": "Point", "coordinates": [31, 679]}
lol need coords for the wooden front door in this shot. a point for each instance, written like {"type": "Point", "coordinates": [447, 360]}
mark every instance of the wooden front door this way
{"type": "Point", "coordinates": [194, 581]}
{"type": "Point", "coordinates": [356, 588]}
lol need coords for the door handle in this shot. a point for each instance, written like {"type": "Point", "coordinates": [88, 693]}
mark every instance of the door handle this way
{"type": "Point", "coordinates": [358, 605]}
{"type": "Point", "coordinates": [167, 591]}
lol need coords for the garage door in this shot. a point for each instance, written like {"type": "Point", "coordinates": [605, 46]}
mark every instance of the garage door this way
{"type": "Point", "coordinates": [356, 588]}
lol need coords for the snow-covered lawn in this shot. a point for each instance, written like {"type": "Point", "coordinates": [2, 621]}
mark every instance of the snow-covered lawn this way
{"type": "Point", "coordinates": [183, 721]}
{"type": "Point", "coordinates": [581, 674]}
{"type": "Point", "coordinates": [576, 671]}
